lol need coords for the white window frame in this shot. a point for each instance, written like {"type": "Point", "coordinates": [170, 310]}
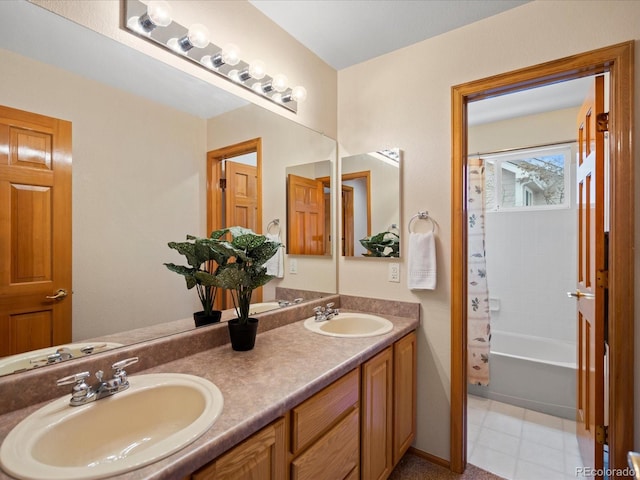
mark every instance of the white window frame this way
{"type": "Point", "coordinates": [500, 158]}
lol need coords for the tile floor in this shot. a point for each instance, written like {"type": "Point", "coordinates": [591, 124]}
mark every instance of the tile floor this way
{"type": "Point", "coordinates": [520, 444]}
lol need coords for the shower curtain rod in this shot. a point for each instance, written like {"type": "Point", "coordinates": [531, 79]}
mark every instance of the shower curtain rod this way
{"type": "Point", "coordinates": [507, 150]}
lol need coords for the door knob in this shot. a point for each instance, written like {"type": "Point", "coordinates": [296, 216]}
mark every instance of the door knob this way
{"type": "Point", "coordinates": [579, 294]}
{"type": "Point", "coordinates": [59, 295]}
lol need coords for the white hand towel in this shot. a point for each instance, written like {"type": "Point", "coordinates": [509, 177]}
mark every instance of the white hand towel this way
{"type": "Point", "coordinates": [421, 261]}
{"type": "Point", "coordinates": [275, 265]}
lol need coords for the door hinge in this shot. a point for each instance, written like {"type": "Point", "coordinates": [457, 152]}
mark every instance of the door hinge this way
{"type": "Point", "coordinates": [602, 434]}
{"type": "Point", "coordinates": [602, 279]}
{"type": "Point", "coordinates": [223, 184]}
{"type": "Point", "coordinates": [602, 122]}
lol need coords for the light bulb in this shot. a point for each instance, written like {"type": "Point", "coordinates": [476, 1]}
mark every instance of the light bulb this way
{"type": "Point", "coordinates": [277, 97]}
{"type": "Point", "coordinates": [257, 69]}
{"type": "Point", "coordinates": [159, 13]}
{"type": "Point", "coordinates": [299, 93]}
{"type": "Point", "coordinates": [206, 61]}
{"type": "Point", "coordinates": [280, 82]}
{"type": "Point", "coordinates": [257, 87]}
{"type": "Point", "coordinates": [230, 54]}
{"type": "Point", "coordinates": [234, 75]}
{"type": "Point", "coordinates": [198, 35]}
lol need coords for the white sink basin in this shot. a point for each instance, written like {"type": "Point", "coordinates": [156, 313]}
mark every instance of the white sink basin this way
{"type": "Point", "coordinates": [38, 358]}
{"type": "Point", "coordinates": [350, 325]}
{"type": "Point", "coordinates": [256, 308]}
{"type": "Point", "coordinates": [156, 416]}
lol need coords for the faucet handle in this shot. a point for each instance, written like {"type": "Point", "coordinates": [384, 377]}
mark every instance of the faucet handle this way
{"type": "Point", "coordinates": [124, 363]}
{"type": "Point", "coordinates": [119, 373]}
{"type": "Point", "coordinates": [78, 378]}
{"type": "Point", "coordinates": [331, 304]}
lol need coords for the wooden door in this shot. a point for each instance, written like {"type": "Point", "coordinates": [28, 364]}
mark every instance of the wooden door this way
{"type": "Point", "coordinates": [241, 195]}
{"type": "Point", "coordinates": [35, 231]}
{"type": "Point", "coordinates": [377, 416]}
{"type": "Point", "coordinates": [591, 284]}
{"type": "Point", "coordinates": [305, 216]}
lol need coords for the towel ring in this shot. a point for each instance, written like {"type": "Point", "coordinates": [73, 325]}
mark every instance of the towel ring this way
{"type": "Point", "coordinates": [274, 223]}
{"type": "Point", "coordinates": [422, 216]}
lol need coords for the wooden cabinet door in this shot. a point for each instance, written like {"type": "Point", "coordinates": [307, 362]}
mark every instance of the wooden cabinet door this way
{"type": "Point", "coordinates": [404, 395]}
{"type": "Point", "coordinates": [377, 416]}
{"type": "Point", "coordinates": [334, 456]}
{"type": "Point", "coordinates": [260, 457]}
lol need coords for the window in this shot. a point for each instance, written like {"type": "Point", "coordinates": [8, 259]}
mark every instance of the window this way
{"type": "Point", "coordinates": [531, 179]}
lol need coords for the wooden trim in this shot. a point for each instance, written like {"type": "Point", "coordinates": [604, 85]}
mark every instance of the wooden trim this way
{"type": "Point", "coordinates": [367, 176]}
{"type": "Point", "coordinates": [214, 194]}
{"type": "Point", "coordinates": [429, 458]}
{"type": "Point", "coordinates": [619, 61]}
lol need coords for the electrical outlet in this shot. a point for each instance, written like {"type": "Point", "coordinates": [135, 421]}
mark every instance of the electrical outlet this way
{"type": "Point", "coordinates": [293, 265]}
{"type": "Point", "coordinates": [394, 272]}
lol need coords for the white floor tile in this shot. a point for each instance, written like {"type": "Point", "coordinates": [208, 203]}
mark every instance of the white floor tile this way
{"type": "Point", "coordinates": [544, 435]}
{"type": "Point", "coordinates": [503, 423]}
{"type": "Point", "coordinates": [494, 461]}
{"type": "Point", "coordinates": [531, 471]}
{"type": "Point", "coordinates": [499, 441]}
{"type": "Point", "coordinates": [548, 457]}
{"type": "Point", "coordinates": [520, 444]}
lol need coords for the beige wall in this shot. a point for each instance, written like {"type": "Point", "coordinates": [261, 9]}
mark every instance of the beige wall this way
{"type": "Point", "coordinates": [416, 117]}
{"type": "Point", "coordinates": [284, 144]}
{"type": "Point", "coordinates": [138, 183]}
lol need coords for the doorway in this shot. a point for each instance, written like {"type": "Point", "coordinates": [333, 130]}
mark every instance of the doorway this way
{"type": "Point", "coordinates": [234, 194]}
{"type": "Point", "coordinates": [618, 61]}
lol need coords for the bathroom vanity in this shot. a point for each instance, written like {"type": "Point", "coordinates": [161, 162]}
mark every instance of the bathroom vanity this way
{"type": "Point", "coordinates": [300, 405]}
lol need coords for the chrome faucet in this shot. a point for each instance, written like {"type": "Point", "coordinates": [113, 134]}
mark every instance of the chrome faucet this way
{"type": "Point", "coordinates": [286, 303]}
{"type": "Point", "coordinates": [82, 393]}
{"type": "Point", "coordinates": [325, 313]}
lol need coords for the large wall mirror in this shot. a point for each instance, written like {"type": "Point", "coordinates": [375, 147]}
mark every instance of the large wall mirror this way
{"type": "Point", "coordinates": [370, 206]}
{"type": "Point", "coordinates": [141, 131]}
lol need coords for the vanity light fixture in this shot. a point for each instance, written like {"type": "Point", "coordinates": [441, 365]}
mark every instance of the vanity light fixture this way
{"type": "Point", "coordinates": [153, 22]}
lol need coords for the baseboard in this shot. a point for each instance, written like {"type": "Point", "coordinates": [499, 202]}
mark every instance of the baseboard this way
{"type": "Point", "coordinates": [430, 458]}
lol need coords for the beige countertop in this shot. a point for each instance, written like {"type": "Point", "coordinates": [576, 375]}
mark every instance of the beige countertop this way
{"type": "Point", "coordinates": [287, 365]}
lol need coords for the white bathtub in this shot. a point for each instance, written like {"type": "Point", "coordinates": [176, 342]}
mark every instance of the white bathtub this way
{"type": "Point", "coordinates": [532, 372]}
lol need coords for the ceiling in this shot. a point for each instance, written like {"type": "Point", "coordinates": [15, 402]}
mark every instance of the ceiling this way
{"type": "Point", "coordinates": [124, 68]}
{"type": "Point", "coordinates": [347, 32]}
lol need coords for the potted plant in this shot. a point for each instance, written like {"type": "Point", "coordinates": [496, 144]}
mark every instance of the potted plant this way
{"type": "Point", "coordinates": [384, 244]}
{"type": "Point", "coordinates": [204, 257]}
{"type": "Point", "coordinates": [241, 277]}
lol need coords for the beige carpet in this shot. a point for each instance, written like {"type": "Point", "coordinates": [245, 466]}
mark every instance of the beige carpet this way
{"type": "Point", "coordinates": [412, 467]}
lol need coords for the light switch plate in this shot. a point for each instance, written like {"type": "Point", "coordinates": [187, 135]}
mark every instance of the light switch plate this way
{"type": "Point", "coordinates": [394, 272]}
{"type": "Point", "coordinates": [293, 265]}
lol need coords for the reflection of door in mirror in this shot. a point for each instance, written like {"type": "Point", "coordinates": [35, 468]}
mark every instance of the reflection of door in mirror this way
{"type": "Point", "coordinates": [356, 211]}
{"type": "Point", "coordinates": [305, 216]}
{"type": "Point", "coordinates": [35, 228]}
{"type": "Point", "coordinates": [234, 194]}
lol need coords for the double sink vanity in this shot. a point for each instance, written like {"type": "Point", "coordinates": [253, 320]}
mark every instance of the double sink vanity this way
{"type": "Point", "coordinates": [314, 399]}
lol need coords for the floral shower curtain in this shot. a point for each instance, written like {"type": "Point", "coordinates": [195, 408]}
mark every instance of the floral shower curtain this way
{"type": "Point", "coordinates": [478, 317]}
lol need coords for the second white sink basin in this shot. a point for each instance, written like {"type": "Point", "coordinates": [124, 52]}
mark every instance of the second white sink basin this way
{"type": "Point", "coordinates": [156, 416]}
{"type": "Point", "coordinates": [350, 325]}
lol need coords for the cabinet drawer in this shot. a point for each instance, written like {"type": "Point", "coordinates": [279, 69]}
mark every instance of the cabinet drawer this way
{"type": "Point", "coordinates": [334, 456]}
{"type": "Point", "coordinates": [312, 417]}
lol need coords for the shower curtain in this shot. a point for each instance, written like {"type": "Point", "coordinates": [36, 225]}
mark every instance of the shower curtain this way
{"type": "Point", "coordinates": [478, 317]}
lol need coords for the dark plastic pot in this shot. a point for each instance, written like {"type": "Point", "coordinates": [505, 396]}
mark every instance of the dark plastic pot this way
{"type": "Point", "coordinates": [243, 335]}
{"type": "Point", "coordinates": [202, 319]}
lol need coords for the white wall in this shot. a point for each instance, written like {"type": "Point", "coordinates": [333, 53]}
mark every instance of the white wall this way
{"type": "Point", "coordinates": [417, 118]}
{"type": "Point", "coordinates": [531, 254]}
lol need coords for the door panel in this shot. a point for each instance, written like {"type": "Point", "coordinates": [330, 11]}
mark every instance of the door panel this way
{"type": "Point", "coordinates": [35, 231]}
{"type": "Point", "coordinates": [305, 212]}
{"type": "Point", "coordinates": [591, 263]}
